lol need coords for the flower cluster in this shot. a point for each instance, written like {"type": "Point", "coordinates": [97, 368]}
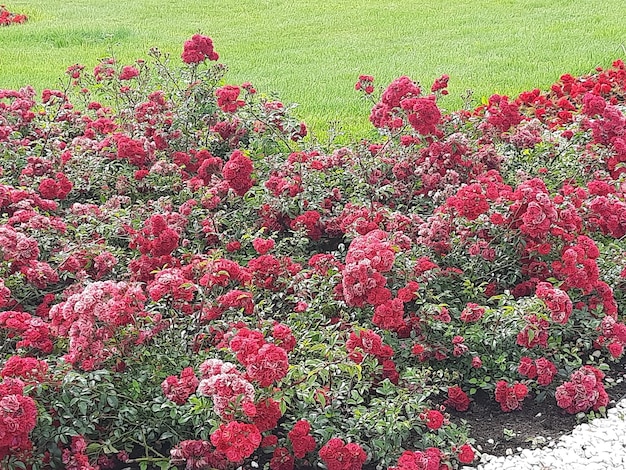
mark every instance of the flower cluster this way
{"type": "Point", "coordinates": [226, 386]}
{"type": "Point", "coordinates": [18, 415]}
{"type": "Point", "coordinates": [337, 455]}
{"type": "Point", "coordinates": [418, 460]}
{"type": "Point", "coordinates": [266, 363]}
{"type": "Point", "coordinates": [365, 84]}
{"type": "Point", "coordinates": [91, 318]}
{"type": "Point", "coordinates": [227, 98]}
{"type": "Point", "coordinates": [613, 335]}
{"type": "Point", "coordinates": [369, 256]}
{"type": "Point", "coordinates": [578, 266]}
{"type": "Point", "coordinates": [367, 342]}
{"type": "Point", "coordinates": [75, 457]}
{"type": "Point", "coordinates": [27, 369]}
{"type": "Point", "coordinates": [457, 399]}
{"type": "Point", "coordinates": [34, 331]}
{"type": "Point", "coordinates": [301, 441]}
{"type": "Point", "coordinates": [282, 459]}
{"type": "Point", "coordinates": [510, 397]}
{"type": "Point", "coordinates": [386, 113]}
{"type": "Point", "coordinates": [179, 389]}
{"type": "Point", "coordinates": [535, 332]}
{"type": "Point", "coordinates": [237, 171]}
{"type": "Point", "coordinates": [583, 392]}
{"type": "Point", "coordinates": [541, 369]}
{"type": "Point", "coordinates": [236, 440]}
{"type": "Point", "coordinates": [557, 301]}
{"type": "Point", "coordinates": [172, 282]}
{"type": "Point", "coordinates": [472, 312]}
{"type": "Point", "coordinates": [198, 49]}
{"type": "Point", "coordinates": [198, 455]}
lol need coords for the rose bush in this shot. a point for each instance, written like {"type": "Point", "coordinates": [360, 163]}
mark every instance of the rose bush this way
{"type": "Point", "coordinates": [186, 281]}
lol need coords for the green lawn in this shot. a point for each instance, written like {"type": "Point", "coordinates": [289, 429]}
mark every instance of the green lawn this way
{"type": "Point", "coordinates": [311, 52]}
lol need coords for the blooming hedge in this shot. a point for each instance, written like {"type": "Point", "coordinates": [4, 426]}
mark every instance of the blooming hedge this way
{"type": "Point", "coordinates": [186, 281]}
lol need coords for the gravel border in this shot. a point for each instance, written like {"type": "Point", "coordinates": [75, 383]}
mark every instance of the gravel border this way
{"type": "Point", "coordinates": [598, 445]}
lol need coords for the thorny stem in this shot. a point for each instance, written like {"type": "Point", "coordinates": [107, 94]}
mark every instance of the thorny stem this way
{"type": "Point", "coordinates": [147, 447]}
{"type": "Point", "coordinates": [148, 460]}
{"type": "Point", "coordinates": [390, 139]}
{"type": "Point", "coordinates": [163, 69]}
{"type": "Point", "coordinates": [273, 129]}
{"type": "Point", "coordinates": [54, 118]}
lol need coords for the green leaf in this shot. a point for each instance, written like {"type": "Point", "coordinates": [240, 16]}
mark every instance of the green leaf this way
{"type": "Point", "coordinates": [112, 401]}
{"type": "Point", "coordinates": [110, 448]}
{"type": "Point", "coordinates": [322, 399]}
{"type": "Point", "coordinates": [93, 447]}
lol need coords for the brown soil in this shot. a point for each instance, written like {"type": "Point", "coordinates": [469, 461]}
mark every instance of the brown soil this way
{"type": "Point", "coordinates": [534, 426]}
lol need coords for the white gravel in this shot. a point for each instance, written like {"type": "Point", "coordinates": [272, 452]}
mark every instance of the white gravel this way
{"type": "Point", "coordinates": [599, 445]}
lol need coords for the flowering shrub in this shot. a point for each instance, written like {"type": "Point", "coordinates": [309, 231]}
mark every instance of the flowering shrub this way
{"type": "Point", "coordinates": [186, 281]}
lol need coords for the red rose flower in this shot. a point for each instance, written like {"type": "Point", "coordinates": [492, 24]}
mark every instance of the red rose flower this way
{"type": "Point", "coordinates": [434, 419]}
{"type": "Point", "coordinates": [616, 349]}
{"type": "Point", "coordinates": [237, 172]}
{"type": "Point", "coordinates": [236, 440]}
{"type": "Point", "coordinates": [227, 98]}
{"type": "Point", "coordinates": [466, 454]}
{"type": "Point", "coordinates": [527, 367]}
{"type": "Point", "coordinates": [472, 312]}
{"type": "Point", "coordinates": [457, 399]}
{"type": "Point", "coordinates": [510, 397]}
{"type": "Point", "coordinates": [128, 72]}
{"type": "Point", "coordinates": [267, 414]}
{"type": "Point", "coordinates": [262, 246]}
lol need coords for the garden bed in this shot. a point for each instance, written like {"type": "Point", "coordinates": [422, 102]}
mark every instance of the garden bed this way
{"type": "Point", "coordinates": [188, 280]}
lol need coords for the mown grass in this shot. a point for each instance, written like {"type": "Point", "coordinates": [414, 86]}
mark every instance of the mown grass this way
{"type": "Point", "coordinates": [311, 52]}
